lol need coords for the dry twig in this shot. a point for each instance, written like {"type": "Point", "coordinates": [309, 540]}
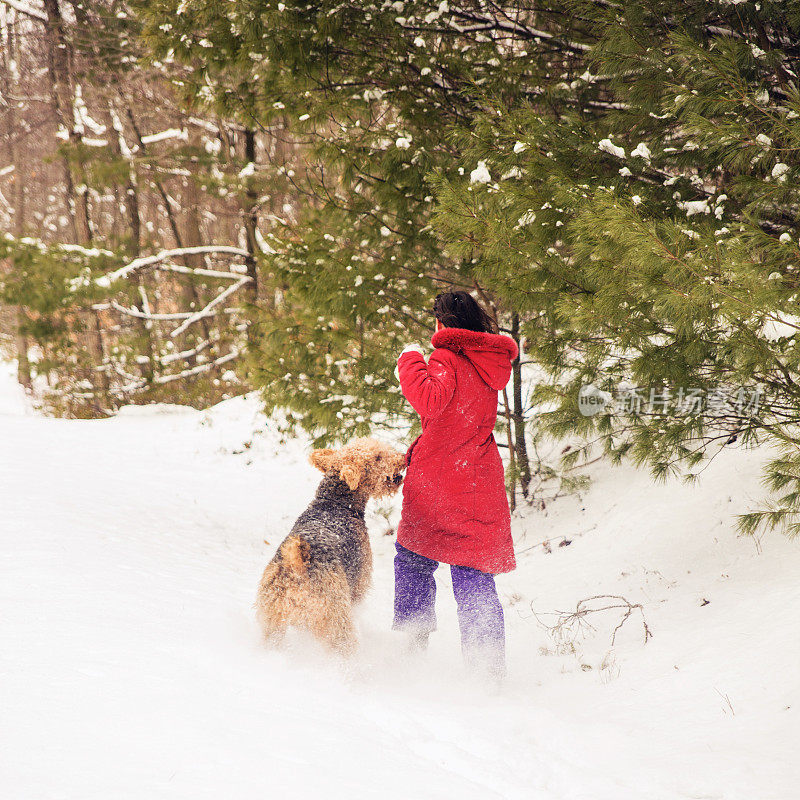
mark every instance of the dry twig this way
{"type": "Point", "coordinates": [569, 625]}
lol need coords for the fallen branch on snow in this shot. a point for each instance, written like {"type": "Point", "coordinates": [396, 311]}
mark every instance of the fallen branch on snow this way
{"type": "Point", "coordinates": [569, 625]}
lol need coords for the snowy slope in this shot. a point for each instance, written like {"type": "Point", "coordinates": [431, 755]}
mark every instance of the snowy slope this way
{"type": "Point", "coordinates": [130, 664]}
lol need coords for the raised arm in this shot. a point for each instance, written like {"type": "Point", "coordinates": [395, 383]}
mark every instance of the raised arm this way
{"type": "Point", "coordinates": [428, 387]}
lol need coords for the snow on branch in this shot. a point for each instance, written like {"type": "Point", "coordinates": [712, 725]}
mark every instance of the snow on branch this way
{"type": "Point", "coordinates": [27, 10]}
{"type": "Point", "coordinates": [185, 354]}
{"type": "Point", "coordinates": [145, 306]}
{"type": "Point", "coordinates": [236, 273]}
{"type": "Point", "coordinates": [171, 133]}
{"type": "Point", "coordinates": [501, 21]}
{"type": "Point", "coordinates": [208, 365]}
{"type": "Point", "coordinates": [135, 312]}
{"type": "Point", "coordinates": [148, 261]}
{"type": "Point", "coordinates": [208, 308]}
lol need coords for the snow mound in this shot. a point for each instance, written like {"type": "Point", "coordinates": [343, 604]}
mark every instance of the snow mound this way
{"type": "Point", "coordinates": [131, 549]}
{"type": "Point", "coordinates": [12, 395]}
{"type": "Point", "coordinates": [155, 410]}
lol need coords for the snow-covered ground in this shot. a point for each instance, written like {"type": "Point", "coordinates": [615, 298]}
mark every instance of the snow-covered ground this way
{"type": "Point", "coordinates": [130, 665]}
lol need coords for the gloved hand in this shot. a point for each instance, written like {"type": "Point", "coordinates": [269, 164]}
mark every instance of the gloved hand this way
{"type": "Point", "coordinates": [409, 348]}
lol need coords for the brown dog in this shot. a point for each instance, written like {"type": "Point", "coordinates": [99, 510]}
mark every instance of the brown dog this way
{"type": "Point", "coordinates": [324, 565]}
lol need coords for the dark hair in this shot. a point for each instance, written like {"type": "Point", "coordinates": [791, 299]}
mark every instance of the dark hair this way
{"type": "Point", "coordinates": [461, 310]}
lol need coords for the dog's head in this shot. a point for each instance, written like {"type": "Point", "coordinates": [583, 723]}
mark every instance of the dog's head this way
{"type": "Point", "coordinates": [365, 465]}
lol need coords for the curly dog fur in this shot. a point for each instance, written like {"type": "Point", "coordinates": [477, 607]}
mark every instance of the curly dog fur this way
{"type": "Point", "coordinates": [324, 565]}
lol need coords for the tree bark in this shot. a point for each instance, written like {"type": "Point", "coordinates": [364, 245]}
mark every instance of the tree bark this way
{"type": "Point", "coordinates": [520, 445]}
{"type": "Point", "coordinates": [250, 213]}
{"type": "Point", "coordinates": [134, 228]}
{"type": "Point", "coordinates": [10, 52]}
{"type": "Point", "coordinates": [512, 489]}
{"type": "Point", "coordinates": [61, 88]}
{"type": "Point", "coordinates": [192, 293]}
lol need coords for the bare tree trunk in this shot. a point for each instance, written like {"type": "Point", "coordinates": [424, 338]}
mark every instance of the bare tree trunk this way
{"type": "Point", "coordinates": [63, 101]}
{"type": "Point", "coordinates": [250, 213]}
{"type": "Point", "coordinates": [193, 237]}
{"type": "Point", "coordinates": [59, 55]}
{"type": "Point", "coordinates": [10, 54]}
{"type": "Point", "coordinates": [20, 338]}
{"type": "Point", "coordinates": [512, 489]}
{"type": "Point", "coordinates": [520, 445]}
{"type": "Point", "coordinates": [191, 289]}
{"type": "Point", "coordinates": [133, 226]}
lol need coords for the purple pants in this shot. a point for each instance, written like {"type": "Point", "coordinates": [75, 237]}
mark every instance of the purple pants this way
{"type": "Point", "coordinates": [480, 615]}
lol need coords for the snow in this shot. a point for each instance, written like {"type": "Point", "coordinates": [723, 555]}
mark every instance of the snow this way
{"type": "Point", "coordinates": [171, 133]}
{"type": "Point", "coordinates": [779, 171]}
{"type": "Point", "coordinates": [480, 174]}
{"type": "Point", "coordinates": [27, 9]}
{"type": "Point", "coordinates": [607, 146]}
{"type": "Point", "coordinates": [643, 151]}
{"type": "Point", "coordinates": [81, 115]}
{"type": "Point", "coordinates": [263, 245]}
{"type": "Point", "coordinates": [12, 395]}
{"type": "Point", "coordinates": [780, 325]}
{"type": "Point", "coordinates": [131, 666]}
{"type": "Point", "coordinates": [105, 281]}
{"type": "Point", "coordinates": [693, 207]}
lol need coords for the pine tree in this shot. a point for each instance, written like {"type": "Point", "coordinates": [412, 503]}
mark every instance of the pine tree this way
{"type": "Point", "coordinates": [382, 95]}
{"type": "Point", "coordinates": [654, 246]}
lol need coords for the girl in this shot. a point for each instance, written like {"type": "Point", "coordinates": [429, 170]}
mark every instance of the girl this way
{"type": "Point", "coordinates": [455, 508]}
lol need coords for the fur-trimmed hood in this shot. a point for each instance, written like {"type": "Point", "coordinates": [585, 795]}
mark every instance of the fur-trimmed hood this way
{"type": "Point", "coordinates": [490, 353]}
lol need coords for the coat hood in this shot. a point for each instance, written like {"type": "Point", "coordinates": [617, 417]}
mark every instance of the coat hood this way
{"type": "Point", "coordinates": [490, 353]}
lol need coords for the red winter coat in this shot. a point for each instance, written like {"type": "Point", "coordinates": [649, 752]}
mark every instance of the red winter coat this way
{"type": "Point", "coordinates": [455, 508]}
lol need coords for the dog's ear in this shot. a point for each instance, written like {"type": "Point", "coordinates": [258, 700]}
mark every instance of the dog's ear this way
{"type": "Point", "coordinates": [400, 461]}
{"type": "Point", "coordinates": [354, 464]}
{"type": "Point", "coordinates": [351, 474]}
{"type": "Point", "coordinates": [324, 460]}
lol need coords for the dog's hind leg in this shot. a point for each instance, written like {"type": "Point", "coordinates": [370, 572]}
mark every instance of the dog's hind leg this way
{"type": "Point", "coordinates": [364, 579]}
{"type": "Point", "coordinates": [273, 628]}
{"type": "Point", "coordinates": [272, 612]}
{"type": "Point", "coordinates": [328, 615]}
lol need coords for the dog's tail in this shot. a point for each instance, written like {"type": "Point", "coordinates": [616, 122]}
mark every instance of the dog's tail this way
{"type": "Point", "coordinates": [295, 553]}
